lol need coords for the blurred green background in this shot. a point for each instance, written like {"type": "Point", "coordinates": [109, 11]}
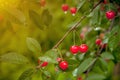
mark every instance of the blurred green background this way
{"type": "Point", "coordinates": [20, 19]}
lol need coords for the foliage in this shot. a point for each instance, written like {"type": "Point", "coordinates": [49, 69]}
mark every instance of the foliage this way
{"type": "Point", "coordinates": [33, 27]}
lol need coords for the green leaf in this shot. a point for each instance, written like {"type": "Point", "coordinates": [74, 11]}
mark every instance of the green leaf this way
{"type": "Point", "coordinates": [95, 76]}
{"type": "Point", "coordinates": [96, 19]}
{"type": "Point", "coordinates": [13, 57]}
{"type": "Point", "coordinates": [17, 14]}
{"type": "Point", "coordinates": [61, 76]}
{"type": "Point", "coordinates": [33, 45]}
{"type": "Point", "coordinates": [112, 43]}
{"type": "Point", "coordinates": [110, 66]}
{"type": "Point", "coordinates": [114, 37]}
{"type": "Point", "coordinates": [52, 53]}
{"type": "Point", "coordinates": [46, 17]}
{"type": "Point", "coordinates": [85, 65]}
{"type": "Point", "coordinates": [116, 54]}
{"type": "Point", "coordinates": [82, 2]}
{"type": "Point", "coordinates": [35, 17]}
{"type": "Point", "coordinates": [46, 73]}
{"type": "Point", "coordinates": [107, 55]}
{"type": "Point", "coordinates": [74, 73]}
{"type": "Point", "coordinates": [81, 56]}
{"type": "Point", "coordinates": [92, 54]}
{"type": "Point", "coordinates": [50, 56]}
{"type": "Point", "coordinates": [103, 64]}
{"type": "Point", "coordinates": [65, 76]}
{"type": "Point", "coordinates": [72, 61]}
{"type": "Point", "coordinates": [26, 75]}
{"type": "Point", "coordinates": [48, 59]}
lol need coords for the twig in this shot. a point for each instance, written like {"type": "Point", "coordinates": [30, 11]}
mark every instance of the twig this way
{"type": "Point", "coordinates": [111, 25]}
{"type": "Point", "coordinates": [100, 50]}
{"type": "Point", "coordinates": [90, 68]}
{"type": "Point", "coordinates": [71, 29]}
{"type": "Point", "coordinates": [74, 27]}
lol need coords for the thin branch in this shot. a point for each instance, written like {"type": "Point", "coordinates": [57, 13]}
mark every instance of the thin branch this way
{"type": "Point", "coordinates": [74, 27]}
{"type": "Point", "coordinates": [96, 5]}
{"type": "Point", "coordinates": [71, 29]}
{"type": "Point", "coordinates": [111, 25]}
{"type": "Point", "coordinates": [90, 68]}
{"type": "Point", "coordinates": [100, 50]}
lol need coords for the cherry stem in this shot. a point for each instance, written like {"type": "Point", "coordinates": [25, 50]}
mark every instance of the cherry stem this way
{"type": "Point", "coordinates": [111, 25]}
{"type": "Point", "coordinates": [74, 27]}
{"type": "Point", "coordinates": [74, 37]}
{"type": "Point", "coordinates": [90, 68]}
{"type": "Point", "coordinates": [99, 51]}
{"type": "Point", "coordinates": [80, 40]}
{"type": "Point", "coordinates": [60, 53]}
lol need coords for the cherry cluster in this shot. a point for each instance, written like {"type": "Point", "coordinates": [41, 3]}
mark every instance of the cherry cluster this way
{"type": "Point", "coordinates": [83, 48]}
{"type": "Point", "coordinates": [65, 8]}
{"type": "Point", "coordinates": [100, 43]}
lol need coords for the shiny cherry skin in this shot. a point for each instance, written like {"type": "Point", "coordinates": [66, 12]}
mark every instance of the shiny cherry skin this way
{"type": "Point", "coordinates": [110, 14]}
{"type": "Point", "coordinates": [74, 49]}
{"type": "Point", "coordinates": [63, 65]}
{"type": "Point", "coordinates": [73, 10]}
{"type": "Point", "coordinates": [65, 7]}
{"type": "Point", "coordinates": [98, 41]}
{"type": "Point", "coordinates": [83, 48]}
{"type": "Point", "coordinates": [44, 64]}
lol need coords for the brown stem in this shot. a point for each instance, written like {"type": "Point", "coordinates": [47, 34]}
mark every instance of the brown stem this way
{"type": "Point", "coordinates": [74, 27]}
{"type": "Point", "coordinates": [111, 25]}
{"type": "Point", "coordinates": [71, 29]}
{"type": "Point", "coordinates": [100, 50]}
{"type": "Point", "coordinates": [90, 68]}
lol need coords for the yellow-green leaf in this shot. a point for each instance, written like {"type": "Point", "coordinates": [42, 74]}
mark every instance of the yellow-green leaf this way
{"type": "Point", "coordinates": [13, 57]}
{"type": "Point", "coordinates": [33, 45]}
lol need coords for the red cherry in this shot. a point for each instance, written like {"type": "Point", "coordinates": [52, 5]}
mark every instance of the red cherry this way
{"type": "Point", "coordinates": [105, 2]}
{"type": "Point", "coordinates": [82, 35]}
{"type": "Point", "coordinates": [74, 49]}
{"type": "Point", "coordinates": [44, 64]}
{"type": "Point", "coordinates": [63, 65]}
{"type": "Point", "coordinates": [110, 14]}
{"type": "Point", "coordinates": [59, 59]}
{"type": "Point", "coordinates": [83, 48]}
{"type": "Point", "coordinates": [73, 10]}
{"type": "Point", "coordinates": [79, 78]}
{"type": "Point", "coordinates": [103, 45]}
{"type": "Point", "coordinates": [65, 8]}
{"type": "Point", "coordinates": [98, 41]}
{"type": "Point", "coordinates": [42, 3]}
